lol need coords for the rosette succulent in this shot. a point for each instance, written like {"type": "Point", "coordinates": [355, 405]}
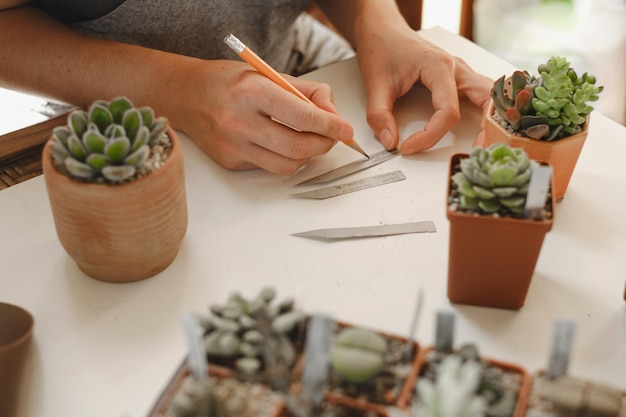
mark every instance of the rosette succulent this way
{"type": "Point", "coordinates": [111, 140]}
{"type": "Point", "coordinates": [551, 106]}
{"type": "Point", "coordinates": [494, 178]}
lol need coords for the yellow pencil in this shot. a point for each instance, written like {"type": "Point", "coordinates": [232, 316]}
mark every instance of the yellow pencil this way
{"type": "Point", "coordinates": [263, 67]}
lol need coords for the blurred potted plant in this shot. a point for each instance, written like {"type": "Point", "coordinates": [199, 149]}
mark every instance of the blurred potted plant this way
{"type": "Point", "coordinates": [493, 245]}
{"type": "Point", "coordinates": [115, 181]}
{"type": "Point", "coordinates": [547, 115]}
{"type": "Point", "coordinates": [462, 384]}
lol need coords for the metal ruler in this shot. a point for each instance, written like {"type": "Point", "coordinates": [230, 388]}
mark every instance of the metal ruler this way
{"type": "Point", "coordinates": [350, 187]}
{"type": "Point", "coordinates": [351, 168]}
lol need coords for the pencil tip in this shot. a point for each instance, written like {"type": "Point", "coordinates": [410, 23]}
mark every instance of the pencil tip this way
{"type": "Point", "coordinates": [357, 148]}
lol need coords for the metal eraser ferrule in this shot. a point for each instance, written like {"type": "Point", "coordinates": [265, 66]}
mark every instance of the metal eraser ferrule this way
{"type": "Point", "coordinates": [234, 43]}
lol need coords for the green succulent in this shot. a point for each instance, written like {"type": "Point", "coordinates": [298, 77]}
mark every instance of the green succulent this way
{"type": "Point", "coordinates": [549, 107]}
{"type": "Point", "coordinates": [110, 140]}
{"type": "Point", "coordinates": [245, 331]}
{"type": "Point", "coordinates": [358, 354]}
{"type": "Point", "coordinates": [494, 178]}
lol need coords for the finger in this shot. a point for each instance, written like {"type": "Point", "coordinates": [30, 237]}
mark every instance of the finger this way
{"type": "Point", "coordinates": [446, 113]}
{"type": "Point", "coordinates": [379, 115]}
{"type": "Point", "coordinates": [307, 117]}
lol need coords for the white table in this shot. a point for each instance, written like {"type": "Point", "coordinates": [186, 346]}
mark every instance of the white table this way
{"type": "Point", "coordinates": [108, 349]}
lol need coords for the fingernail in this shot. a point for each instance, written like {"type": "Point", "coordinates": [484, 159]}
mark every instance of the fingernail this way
{"type": "Point", "coordinates": [386, 138]}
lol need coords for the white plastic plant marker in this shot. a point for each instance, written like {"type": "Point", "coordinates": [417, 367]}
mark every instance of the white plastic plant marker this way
{"type": "Point", "coordinates": [350, 187]}
{"type": "Point", "coordinates": [444, 331]}
{"type": "Point", "coordinates": [320, 332]}
{"type": "Point", "coordinates": [537, 191]}
{"type": "Point", "coordinates": [196, 360]}
{"type": "Point", "coordinates": [562, 340]}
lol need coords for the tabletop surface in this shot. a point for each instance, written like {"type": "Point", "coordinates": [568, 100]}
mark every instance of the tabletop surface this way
{"type": "Point", "coordinates": [104, 349]}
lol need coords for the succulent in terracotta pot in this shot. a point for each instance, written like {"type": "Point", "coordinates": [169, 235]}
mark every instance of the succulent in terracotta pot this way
{"type": "Point", "coordinates": [493, 179]}
{"type": "Point", "coordinates": [115, 181]}
{"type": "Point", "coordinates": [547, 107]}
{"type": "Point", "coordinates": [110, 142]}
{"type": "Point", "coordinates": [494, 245]}
{"type": "Point", "coordinates": [546, 115]}
{"type": "Point", "coordinates": [249, 336]}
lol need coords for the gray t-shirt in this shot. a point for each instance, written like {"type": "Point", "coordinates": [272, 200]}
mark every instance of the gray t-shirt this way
{"type": "Point", "coordinates": [188, 27]}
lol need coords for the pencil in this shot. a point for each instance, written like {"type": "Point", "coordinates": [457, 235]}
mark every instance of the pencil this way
{"type": "Point", "coordinates": [263, 67]}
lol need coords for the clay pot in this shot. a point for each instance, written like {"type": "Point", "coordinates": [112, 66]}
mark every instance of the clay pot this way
{"type": "Point", "coordinates": [398, 399]}
{"type": "Point", "coordinates": [274, 409]}
{"type": "Point", "coordinates": [124, 232]}
{"type": "Point", "coordinates": [524, 377]}
{"type": "Point", "coordinates": [491, 260]}
{"type": "Point", "coordinates": [561, 154]}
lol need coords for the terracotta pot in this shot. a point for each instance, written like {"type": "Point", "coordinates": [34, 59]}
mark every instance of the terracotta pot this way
{"type": "Point", "coordinates": [561, 154]}
{"type": "Point", "coordinates": [125, 232]}
{"type": "Point", "coordinates": [399, 398]}
{"type": "Point", "coordinates": [525, 378]}
{"type": "Point", "coordinates": [169, 393]}
{"type": "Point", "coordinates": [491, 260]}
{"type": "Point", "coordinates": [591, 398]}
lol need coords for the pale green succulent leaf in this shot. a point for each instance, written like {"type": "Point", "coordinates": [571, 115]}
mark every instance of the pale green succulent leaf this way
{"type": "Point", "coordinates": [114, 131]}
{"type": "Point", "coordinates": [118, 173]}
{"type": "Point", "coordinates": [138, 157]}
{"type": "Point", "coordinates": [78, 122]}
{"type": "Point", "coordinates": [117, 149]}
{"type": "Point", "coordinates": [62, 134]}
{"type": "Point", "coordinates": [502, 192]}
{"type": "Point", "coordinates": [98, 161]}
{"type": "Point", "coordinates": [142, 138]}
{"type": "Point", "coordinates": [147, 115]}
{"type": "Point", "coordinates": [79, 169]}
{"type": "Point", "coordinates": [489, 206]}
{"type": "Point", "coordinates": [502, 175]}
{"type": "Point", "coordinates": [94, 142]}
{"type": "Point", "coordinates": [59, 152]}
{"type": "Point", "coordinates": [118, 107]}
{"type": "Point", "coordinates": [513, 202]}
{"type": "Point", "coordinates": [463, 184]}
{"type": "Point", "coordinates": [100, 115]}
{"type": "Point", "coordinates": [76, 148]}
{"type": "Point", "coordinates": [132, 121]}
{"type": "Point", "coordinates": [470, 203]}
{"type": "Point", "coordinates": [483, 193]}
{"type": "Point", "coordinates": [158, 130]}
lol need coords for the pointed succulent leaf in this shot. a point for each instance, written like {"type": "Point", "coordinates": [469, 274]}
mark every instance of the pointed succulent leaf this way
{"type": "Point", "coordinates": [147, 115]}
{"type": "Point", "coordinates": [100, 115]}
{"type": "Point", "coordinates": [489, 206]}
{"type": "Point", "coordinates": [522, 178]}
{"type": "Point", "coordinates": [94, 142]}
{"type": "Point", "coordinates": [62, 134]}
{"type": "Point", "coordinates": [118, 173]}
{"type": "Point", "coordinates": [464, 185]}
{"type": "Point", "coordinates": [501, 192]}
{"type": "Point", "coordinates": [118, 107]}
{"type": "Point", "coordinates": [483, 193]}
{"type": "Point", "coordinates": [78, 122]}
{"type": "Point", "coordinates": [502, 175]}
{"type": "Point", "coordinates": [158, 130]}
{"type": "Point", "coordinates": [513, 202]}
{"type": "Point", "coordinates": [470, 203]}
{"type": "Point", "coordinates": [142, 138]}
{"type": "Point", "coordinates": [59, 152]}
{"type": "Point", "coordinates": [117, 149]}
{"type": "Point", "coordinates": [115, 131]}
{"type": "Point", "coordinates": [132, 121]}
{"type": "Point", "coordinates": [138, 157]}
{"type": "Point", "coordinates": [79, 169]}
{"type": "Point", "coordinates": [76, 148]}
{"type": "Point", "coordinates": [97, 161]}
